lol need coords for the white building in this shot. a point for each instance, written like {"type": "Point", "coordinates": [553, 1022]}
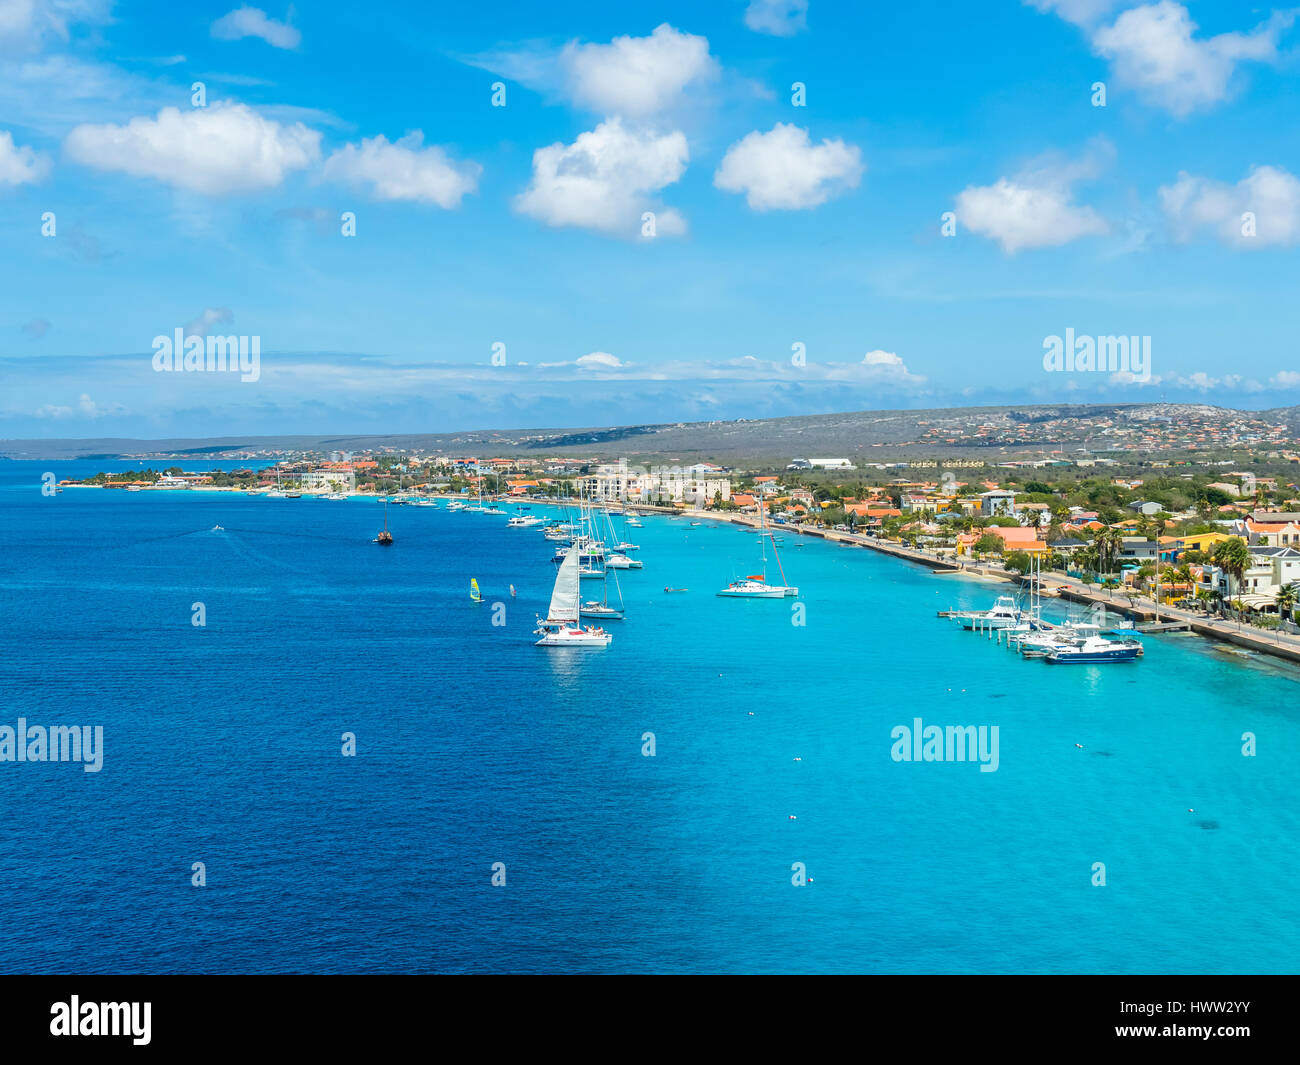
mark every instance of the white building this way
{"type": "Point", "coordinates": [682, 486]}
{"type": "Point", "coordinates": [618, 482]}
{"type": "Point", "coordinates": [329, 481]}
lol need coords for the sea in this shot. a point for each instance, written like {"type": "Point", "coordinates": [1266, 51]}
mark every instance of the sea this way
{"type": "Point", "coordinates": [349, 767]}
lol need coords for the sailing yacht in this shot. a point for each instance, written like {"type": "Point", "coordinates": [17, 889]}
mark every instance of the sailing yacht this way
{"type": "Point", "coordinates": [755, 585]}
{"type": "Point", "coordinates": [385, 537]}
{"type": "Point", "coordinates": [561, 627]}
{"type": "Point", "coordinates": [593, 609]}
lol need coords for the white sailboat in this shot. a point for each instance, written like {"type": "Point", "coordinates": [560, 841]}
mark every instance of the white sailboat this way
{"type": "Point", "coordinates": [561, 627]}
{"type": "Point", "coordinates": [755, 586]}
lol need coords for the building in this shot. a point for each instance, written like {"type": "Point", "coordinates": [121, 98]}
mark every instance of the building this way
{"type": "Point", "coordinates": [1270, 570]}
{"type": "Point", "coordinates": [1136, 550]}
{"type": "Point", "coordinates": [1145, 507]}
{"type": "Point", "coordinates": [327, 480]}
{"type": "Point", "coordinates": [662, 484]}
{"type": "Point", "coordinates": [1270, 534]}
{"type": "Point", "coordinates": [831, 464]}
{"type": "Point", "coordinates": [998, 502]}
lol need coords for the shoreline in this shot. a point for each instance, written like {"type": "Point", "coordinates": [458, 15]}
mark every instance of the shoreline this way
{"type": "Point", "coordinates": [1275, 644]}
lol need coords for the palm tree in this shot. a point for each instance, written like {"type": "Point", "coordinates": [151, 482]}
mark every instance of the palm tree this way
{"type": "Point", "coordinates": [1107, 542]}
{"type": "Point", "coordinates": [1287, 597]}
{"type": "Point", "coordinates": [1087, 559]}
{"type": "Point", "coordinates": [1233, 557]}
{"type": "Point", "coordinates": [1204, 597]}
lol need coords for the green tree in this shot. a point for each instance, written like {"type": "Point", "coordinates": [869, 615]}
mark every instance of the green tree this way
{"type": "Point", "coordinates": [1233, 557]}
{"type": "Point", "coordinates": [1287, 597]}
{"type": "Point", "coordinates": [1018, 560]}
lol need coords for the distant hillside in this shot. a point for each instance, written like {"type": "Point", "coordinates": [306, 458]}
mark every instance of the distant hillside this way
{"type": "Point", "coordinates": [864, 436]}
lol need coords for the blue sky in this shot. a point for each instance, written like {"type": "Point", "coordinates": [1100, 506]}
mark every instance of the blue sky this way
{"type": "Point", "coordinates": [521, 225]}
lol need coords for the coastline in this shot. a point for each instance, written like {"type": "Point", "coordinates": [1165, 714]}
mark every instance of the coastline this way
{"type": "Point", "coordinates": [1274, 644]}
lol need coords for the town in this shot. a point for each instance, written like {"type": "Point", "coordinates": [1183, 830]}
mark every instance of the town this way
{"type": "Point", "coordinates": [1212, 537]}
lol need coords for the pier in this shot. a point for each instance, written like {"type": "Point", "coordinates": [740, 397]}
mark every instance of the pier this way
{"type": "Point", "coordinates": [1147, 617]}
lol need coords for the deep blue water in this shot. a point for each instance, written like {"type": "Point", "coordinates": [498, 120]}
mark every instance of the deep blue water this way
{"type": "Point", "coordinates": [222, 745]}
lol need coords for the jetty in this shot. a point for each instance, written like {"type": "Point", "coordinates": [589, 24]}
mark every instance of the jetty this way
{"type": "Point", "coordinates": [1148, 618]}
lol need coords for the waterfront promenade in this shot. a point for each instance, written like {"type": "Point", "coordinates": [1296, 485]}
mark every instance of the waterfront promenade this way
{"type": "Point", "coordinates": [1140, 608]}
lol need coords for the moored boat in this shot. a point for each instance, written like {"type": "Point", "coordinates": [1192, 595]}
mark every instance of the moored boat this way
{"type": "Point", "coordinates": [562, 626]}
{"type": "Point", "coordinates": [1094, 650]}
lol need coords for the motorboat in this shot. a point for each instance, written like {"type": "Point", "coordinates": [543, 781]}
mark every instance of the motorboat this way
{"type": "Point", "coordinates": [1004, 613]}
{"type": "Point", "coordinates": [1095, 650]}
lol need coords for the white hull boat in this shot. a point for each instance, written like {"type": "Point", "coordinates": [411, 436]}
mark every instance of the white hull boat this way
{"type": "Point", "coordinates": [562, 626]}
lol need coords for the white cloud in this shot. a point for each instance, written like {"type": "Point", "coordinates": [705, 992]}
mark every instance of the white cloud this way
{"type": "Point", "coordinates": [782, 169]}
{"type": "Point", "coordinates": [28, 25]}
{"type": "Point", "coordinates": [1271, 194]}
{"type": "Point", "coordinates": [224, 148]}
{"type": "Point", "coordinates": [603, 180]}
{"type": "Point", "coordinates": [888, 366]}
{"type": "Point", "coordinates": [86, 407]}
{"type": "Point", "coordinates": [1285, 379]}
{"type": "Point", "coordinates": [404, 170]}
{"type": "Point", "coordinates": [1080, 12]}
{"type": "Point", "coordinates": [210, 317]}
{"type": "Point", "coordinates": [779, 18]}
{"type": "Point", "coordinates": [637, 75]}
{"type": "Point", "coordinates": [600, 360]}
{"type": "Point", "coordinates": [630, 76]}
{"type": "Point", "coordinates": [20, 165]}
{"type": "Point", "coordinates": [1035, 208]}
{"type": "Point", "coordinates": [253, 22]}
{"type": "Point", "coordinates": [1154, 49]}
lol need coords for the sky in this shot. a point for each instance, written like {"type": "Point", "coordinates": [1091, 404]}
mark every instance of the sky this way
{"type": "Point", "coordinates": [435, 217]}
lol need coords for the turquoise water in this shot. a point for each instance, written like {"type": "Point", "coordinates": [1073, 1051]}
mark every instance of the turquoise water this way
{"type": "Point", "coordinates": [222, 745]}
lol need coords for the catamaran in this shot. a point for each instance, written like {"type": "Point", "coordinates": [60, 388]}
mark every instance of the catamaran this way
{"type": "Point", "coordinates": [561, 627]}
{"type": "Point", "coordinates": [755, 585]}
